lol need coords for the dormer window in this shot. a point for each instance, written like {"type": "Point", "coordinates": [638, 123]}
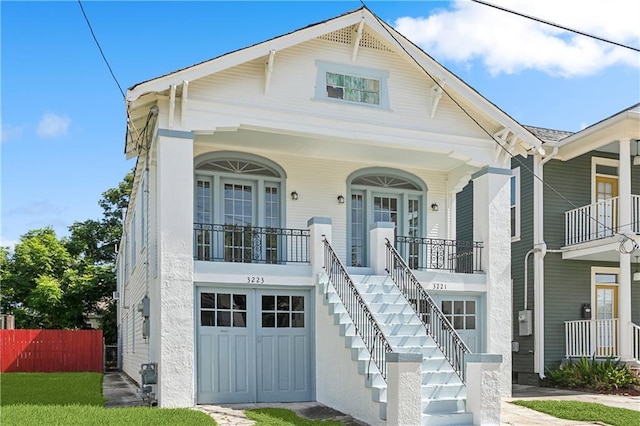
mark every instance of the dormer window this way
{"type": "Point", "coordinates": [349, 84]}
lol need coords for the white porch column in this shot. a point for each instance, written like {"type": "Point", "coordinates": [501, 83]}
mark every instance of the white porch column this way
{"type": "Point", "coordinates": [319, 228]}
{"type": "Point", "coordinates": [624, 221]}
{"type": "Point", "coordinates": [483, 380]}
{"type": "Point", "coordinates": [491, 218]}
{"type": "Point", "coordinates": [404, 395]}
{"type": "Point", "coordinates": [176, 347]}
{"type": "Point", "coordinates": [379, 232]}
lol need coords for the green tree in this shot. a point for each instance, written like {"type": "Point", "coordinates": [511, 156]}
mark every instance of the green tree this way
{"type": "Point", "coordinates": [49, 282]}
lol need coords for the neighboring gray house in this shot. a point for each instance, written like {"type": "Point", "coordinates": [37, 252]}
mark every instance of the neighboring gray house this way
{"type": "Point", "coordinates": [577, 236]}
{"type": "Point", "coordinates": [272, 184]}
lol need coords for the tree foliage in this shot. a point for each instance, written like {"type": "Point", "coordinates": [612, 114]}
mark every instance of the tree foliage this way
{"type": "Point", "coordinates": [51, 282]}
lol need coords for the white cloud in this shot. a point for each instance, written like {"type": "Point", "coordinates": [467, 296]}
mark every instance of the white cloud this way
{"type": "Point", "coordinates": [10, 133]}
{"type": "Point", "coordinates": [506, 43]}
{"type": "Point", "coordinates": [52, 125]}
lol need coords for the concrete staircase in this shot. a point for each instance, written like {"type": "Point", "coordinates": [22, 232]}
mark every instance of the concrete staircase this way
{"type": "Point", "coordinates": [443, 393]}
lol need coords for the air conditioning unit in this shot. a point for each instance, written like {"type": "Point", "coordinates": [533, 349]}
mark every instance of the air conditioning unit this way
{"type": "Point", "coordinates": [116, 295]}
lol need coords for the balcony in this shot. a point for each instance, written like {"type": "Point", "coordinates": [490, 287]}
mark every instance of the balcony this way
{"type": "Point", "coordinates": [250, 244]}
{"type": "Point", "coordinates": [598, 221]}
{"type": "Point", "coordinates": [432, 253]}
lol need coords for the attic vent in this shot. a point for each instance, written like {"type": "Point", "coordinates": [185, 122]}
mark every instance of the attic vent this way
{"type": "Point", "coordinates": [347, 34]}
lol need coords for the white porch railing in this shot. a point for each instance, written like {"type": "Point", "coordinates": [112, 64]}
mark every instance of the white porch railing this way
{"type": "Point", "coordinates": [635, 330]}
{"type": "Point", "coordinates": [635, 214]}
{"type": "Point", "coordinates": [588, 223]}
{"type": "Point", "coordinates": [586, 338]}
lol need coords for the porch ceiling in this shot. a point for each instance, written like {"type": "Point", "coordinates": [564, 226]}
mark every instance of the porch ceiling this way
{"type": "Point", "coordinates": [422, 157]}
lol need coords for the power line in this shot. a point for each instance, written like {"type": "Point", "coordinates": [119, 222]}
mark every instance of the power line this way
{"type": "Point", "coordinates": [521, 163]}
{"type": "Point", "coordinates": [100, 49]}
{"type": "Point", "coordinates": [553, 24]}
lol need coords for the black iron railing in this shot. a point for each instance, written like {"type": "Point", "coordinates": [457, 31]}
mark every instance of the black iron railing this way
{"type": "Point", "coordinates": [363, 320]}
{"type": "Point", "coordinates": [434, 253]}
{"type": "Point", "coordinates": [437, 324]}
{"type": "Point", "coordinates": [250, 244]}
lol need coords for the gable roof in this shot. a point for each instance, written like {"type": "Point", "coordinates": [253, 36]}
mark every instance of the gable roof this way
{"type": "Point", "coordinates": [524, 140]}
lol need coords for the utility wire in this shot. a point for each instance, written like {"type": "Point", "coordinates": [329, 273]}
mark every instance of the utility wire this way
{"type": "Point", "coordinates": [100, 49]}
{"type": "Point", "coordinates": [464, 110]}
{"type": "Point", "coordinates": [553, 24]}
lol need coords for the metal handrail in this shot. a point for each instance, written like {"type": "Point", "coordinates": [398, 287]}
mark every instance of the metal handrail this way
{"type": "Point", "coordinates": [363, 320]}
{"type": "Point", "coordinates": [437, 253]}
{"type": "Point", "coordinates": [436, 323]}
{"type": "Point", "coordinates": [250, 244]}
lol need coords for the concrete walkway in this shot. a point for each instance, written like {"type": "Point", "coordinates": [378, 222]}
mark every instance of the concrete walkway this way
{"type": "Point", "coordinates": [121, 391]}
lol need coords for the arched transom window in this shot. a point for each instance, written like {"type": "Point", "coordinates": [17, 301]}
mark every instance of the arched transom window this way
{"type": "Point", "coordinates": [236, 197]}
{"type": "Point", "coordinates": [383, 195]}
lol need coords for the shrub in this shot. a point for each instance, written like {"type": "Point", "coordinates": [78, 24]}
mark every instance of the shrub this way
{"type": "Point", "coordinates": [590, 373]}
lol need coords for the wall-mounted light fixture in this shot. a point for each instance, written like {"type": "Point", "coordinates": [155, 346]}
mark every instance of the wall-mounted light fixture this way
{"type": "Point", "coordinates": [434, 207]}
{"type": "Point", "coordinates": [294, 195]}
{"type": "Point", "coordinates": [340, 199]}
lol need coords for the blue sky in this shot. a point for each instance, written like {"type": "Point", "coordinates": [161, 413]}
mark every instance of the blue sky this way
{"type": "Point", "coordinates": [63, 120]}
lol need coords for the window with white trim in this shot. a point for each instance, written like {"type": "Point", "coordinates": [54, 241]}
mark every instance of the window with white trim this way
{"type": "Point", "coordinates": [515, 203]}
{"type": "Point", "coordinates": [349, 84]}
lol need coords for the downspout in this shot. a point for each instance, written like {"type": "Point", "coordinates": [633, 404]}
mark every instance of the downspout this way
{"type": "Point", "coordinates": [538, 261]}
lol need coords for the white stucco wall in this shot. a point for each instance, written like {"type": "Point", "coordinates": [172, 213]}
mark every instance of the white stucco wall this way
{"type": "Point", "coordinates": [338, 384]}
{"type": "Point", "coordinates": [174, 310]}
{"type": "Point", "coordinates": [491, 217]}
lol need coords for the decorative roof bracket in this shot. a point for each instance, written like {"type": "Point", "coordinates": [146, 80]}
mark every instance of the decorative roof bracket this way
{"type": "Point", "coordinates": [356, 42]}
{"type": "Point", "coordinates": [172, 104]}
{"type": "Point", "coordinates": [268, 70]}
{"type": "Point", "coordinates": [184, 102]}
{"type": "Point", "coordinates": [437, 95]}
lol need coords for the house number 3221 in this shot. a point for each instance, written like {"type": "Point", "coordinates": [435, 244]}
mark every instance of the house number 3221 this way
{"type": "Point", "coordinates": [438, 286]}
{"type": "Point", "coordinates": [255, 280]}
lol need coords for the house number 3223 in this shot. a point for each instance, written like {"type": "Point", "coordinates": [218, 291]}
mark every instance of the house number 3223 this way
{"type": "Point", "coordinates": [255, 280]}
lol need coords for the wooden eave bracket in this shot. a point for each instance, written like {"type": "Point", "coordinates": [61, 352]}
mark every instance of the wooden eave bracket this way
{"type": "Point", "coordinates": [437, 95]}
{"type": "Point", "coordinates": [184, 104]}
{"type": "Point", "coordinates": [172, 104]}
{"type": "Point", "coordinates": [356, 42]}
{"type": "Point", "coordinates": [268, 70]}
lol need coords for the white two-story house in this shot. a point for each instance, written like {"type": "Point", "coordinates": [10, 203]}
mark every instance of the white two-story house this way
{"type": "Point", "coordinates": [293, 223]}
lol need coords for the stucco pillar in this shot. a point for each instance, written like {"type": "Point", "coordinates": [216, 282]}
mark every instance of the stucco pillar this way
{"type": "Point", "coordinates": [491, 226]}
{"type": "Point", "coordinates": [624, 221]}
{"type": "Point", "coordinates": [483, 381]}
{"type": "Point", "coordinates": [176, 347]}
{"type": "Point", "coordinates": [404, 395]}
{"type": "Point", "coordinates": [319, 228]}
{"type": "Point", "coordinates": [379, 233]}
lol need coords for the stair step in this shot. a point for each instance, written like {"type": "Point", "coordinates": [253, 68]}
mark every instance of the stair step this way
{"type": "Point", "coordinates": [445, 419]}
{"type": "Point", "coordinates": [454, 391]}
{"type": "Point", "coordinates": [382, 308]}
{"type": "Point", "coordinates": [444, 405]}
{"type": "Point", "coordinates": [440, 377]}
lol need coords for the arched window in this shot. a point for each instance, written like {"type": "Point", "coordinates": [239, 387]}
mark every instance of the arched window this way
{"type": "Point", "coordinates": [238, 197]}
{"type": "Point", "coordinates": [383, 195]}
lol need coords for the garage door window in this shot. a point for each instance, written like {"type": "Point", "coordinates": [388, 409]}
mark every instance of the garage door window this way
{"type": "Point", "coordinates": [223, 310]}
{"type": "Point", "coordinates": [461, 313]}
{"type": "Point", "coordinates": [282, 311]}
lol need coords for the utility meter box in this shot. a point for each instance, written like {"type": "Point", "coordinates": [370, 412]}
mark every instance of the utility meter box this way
{"type": "Point", "coordinates": [525, 325]}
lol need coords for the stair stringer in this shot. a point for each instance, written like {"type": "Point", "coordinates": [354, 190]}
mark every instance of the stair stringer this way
{"type": "Point", "coordinates": [342, 361]}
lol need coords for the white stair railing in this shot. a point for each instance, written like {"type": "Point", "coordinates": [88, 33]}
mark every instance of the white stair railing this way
{"type": "Point", "coordinates": [635, 330]}
{"type": "Point", "coordinates": [587, 338]}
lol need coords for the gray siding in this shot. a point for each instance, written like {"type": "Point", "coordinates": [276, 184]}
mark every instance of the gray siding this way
{"type": "Point", "coordinates": [464, 213]}
{"type": "Point", "coordinates": [523, 359]}
{"type": "Point", "coordinates": [568, 282]}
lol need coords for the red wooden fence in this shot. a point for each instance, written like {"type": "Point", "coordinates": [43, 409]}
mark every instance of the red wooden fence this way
{"type": "Point", "coordinates": [50, 350]}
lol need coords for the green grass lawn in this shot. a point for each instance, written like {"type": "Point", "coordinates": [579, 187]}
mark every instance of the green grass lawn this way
{"type": "Point", "coordinates": [284, 417]}
{"type": "Point", "coordinates": [584, 411]}
{"type": "Point", "coordinates": [42, 399]}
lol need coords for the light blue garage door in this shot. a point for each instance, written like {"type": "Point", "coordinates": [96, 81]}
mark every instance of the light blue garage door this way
{"type": "Point", "coordinates": [254, 346]}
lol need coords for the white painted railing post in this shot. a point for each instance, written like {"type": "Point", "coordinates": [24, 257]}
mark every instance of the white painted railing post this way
{"type": "Point", "coordinates": [483, 387]}
{"type": "Point", "coordinates": [319, 228]}
{"type": "Point", "coordinates": [378, 233]}
{"type": "Point", "coordinates": [404, 395]}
